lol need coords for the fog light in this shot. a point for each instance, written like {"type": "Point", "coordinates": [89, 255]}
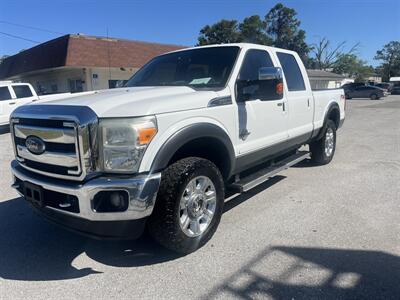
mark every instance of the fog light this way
{"type": "Point", "coordinates": [111, 201]}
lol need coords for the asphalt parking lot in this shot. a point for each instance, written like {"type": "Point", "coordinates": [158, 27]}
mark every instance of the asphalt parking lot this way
{"type": "Point", "coordinates": [330, 232]}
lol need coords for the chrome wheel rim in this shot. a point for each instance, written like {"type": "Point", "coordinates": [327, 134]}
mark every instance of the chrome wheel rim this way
{"type": "Point", "coordinates": [329, 142]}
{"type": "Point", "coordinates": [197, 206]}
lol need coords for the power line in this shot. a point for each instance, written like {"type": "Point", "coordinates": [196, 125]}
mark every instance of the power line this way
{"type": "Point", "coordinates": [31, 27]}
{"type": "Point", "coordinates": [19, 37]}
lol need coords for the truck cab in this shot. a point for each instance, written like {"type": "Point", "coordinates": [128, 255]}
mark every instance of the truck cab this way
{"type": "Point", "coordinates": [162, 151]}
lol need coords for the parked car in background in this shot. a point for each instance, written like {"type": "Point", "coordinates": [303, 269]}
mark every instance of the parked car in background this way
{"type": "Point", "coordinates": [13, 95]}
{"type": "Point", "coordinates": [396, 85]}
{"type": "Point", "coordinates": [363, 91]}
{"type": "Point", "coordinates": [352, 85]}
{"type": "Point", "coordinates": [386, 86]}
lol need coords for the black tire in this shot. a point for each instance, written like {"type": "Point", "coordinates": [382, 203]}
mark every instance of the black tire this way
{"type": "Point", "coordinates": [374, 97]}
{"type": "Point", "coordinates": [164, 223]}
{"type": "Point", "coordinates": [318, 154]}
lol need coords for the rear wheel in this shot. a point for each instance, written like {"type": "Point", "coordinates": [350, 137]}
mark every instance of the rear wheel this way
{"type": "Point", "coordinates": [323, 150]}
{"type": "Point", "coordinates": [189, 205]}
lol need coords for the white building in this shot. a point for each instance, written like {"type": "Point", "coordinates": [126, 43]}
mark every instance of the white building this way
{"type": "Point", "coordinates": [321, 79]}
{"type": "Point", "coordinates": [76, 63]}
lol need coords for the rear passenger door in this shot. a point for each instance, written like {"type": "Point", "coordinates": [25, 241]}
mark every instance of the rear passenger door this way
{"type": "Point", "coordinates": [299, 97]}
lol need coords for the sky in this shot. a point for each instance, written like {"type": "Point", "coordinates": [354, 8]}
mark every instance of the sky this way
{"type": "Point", "coordinates": [372, 23]}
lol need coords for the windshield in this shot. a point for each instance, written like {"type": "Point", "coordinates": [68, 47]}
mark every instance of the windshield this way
{"type": "Point", "coordinates": [203, 67]}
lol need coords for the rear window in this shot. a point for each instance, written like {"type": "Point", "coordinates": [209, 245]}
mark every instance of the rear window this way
{"type": "Point", "coordinates": [294, 78]}
{"type": "Point", "coordinates": [4, 93]}
{"type": "Point", "coordinates": [22, 91]}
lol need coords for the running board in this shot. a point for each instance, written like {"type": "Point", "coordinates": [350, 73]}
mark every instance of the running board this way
{"type": "Point", "coordinates": [251, 181]}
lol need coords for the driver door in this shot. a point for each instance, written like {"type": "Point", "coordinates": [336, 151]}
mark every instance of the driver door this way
{"type": "Point", "coordinates": [262, 122]}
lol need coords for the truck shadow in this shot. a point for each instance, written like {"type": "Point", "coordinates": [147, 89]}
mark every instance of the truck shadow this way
{"type": "Point", "coordinates": [33, 249]}
{"type": "Point", "coordinates": [313, 273]}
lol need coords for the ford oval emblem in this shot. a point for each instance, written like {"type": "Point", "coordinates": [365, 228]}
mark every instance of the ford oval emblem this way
{"type": "Point", "coordinates": [35, 145]}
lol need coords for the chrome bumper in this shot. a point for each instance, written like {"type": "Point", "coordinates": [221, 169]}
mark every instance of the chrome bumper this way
{"type": "Point", "coordinates": [142, 192]}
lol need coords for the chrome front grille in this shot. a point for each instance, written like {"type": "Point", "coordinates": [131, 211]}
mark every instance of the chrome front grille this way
{"type": "Point", "coordinates": [61, 155]}
{"type": "Point", "coordinates": [68, 134]}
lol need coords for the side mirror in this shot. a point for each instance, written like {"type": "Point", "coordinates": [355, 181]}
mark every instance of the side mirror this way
{"type": "Point", "coordinates": [270, 73]}
{"type": "Point", "coordinates": [272, 81]}
{"type": "Point", "coordinates": [268, 85]}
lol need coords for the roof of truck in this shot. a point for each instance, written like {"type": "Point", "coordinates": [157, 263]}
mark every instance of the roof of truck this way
{"type": "Point", "coordinates": [240, 45]}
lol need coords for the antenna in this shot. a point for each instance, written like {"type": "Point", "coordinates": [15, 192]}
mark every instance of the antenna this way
{"type": "Point", "coordinates": [109, 57]}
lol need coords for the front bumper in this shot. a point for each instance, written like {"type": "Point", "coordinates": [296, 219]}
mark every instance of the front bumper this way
{"type": "Point", "coordinates": [142, 191]}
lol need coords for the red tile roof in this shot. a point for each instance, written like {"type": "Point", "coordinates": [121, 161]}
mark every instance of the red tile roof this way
{"type": "Point", "coordinates": [103, 52]}
{"type": "Point", "coordinates": [83, 51]}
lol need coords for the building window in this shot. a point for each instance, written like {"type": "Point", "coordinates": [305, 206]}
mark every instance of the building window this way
{"type": "Point", "coordinates": [75, 85]}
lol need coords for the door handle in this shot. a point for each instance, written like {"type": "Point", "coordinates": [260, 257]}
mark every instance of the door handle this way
{"type": "Point", "coordinates": [281, 104]}
{"type": "Point", "coordinates": [11, 103]}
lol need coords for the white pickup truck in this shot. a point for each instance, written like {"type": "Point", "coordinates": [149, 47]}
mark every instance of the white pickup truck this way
{"type": "Point", "coordinates": [162, 151]}
{"type": "Point", "coordinates": [13, 95]}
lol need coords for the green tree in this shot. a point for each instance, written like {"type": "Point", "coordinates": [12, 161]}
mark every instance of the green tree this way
{"type": "Point", "coordinates": [224, 31]}
{"type": "Point", "coordinates": [252, 30]}
{"type": "Point", "coordinates": [283, 28]}
{"type": "Point", "coordinates": [390, 57]}
{"type": "Point", "coordinates": [280, 29]}
{"type": "Point", "coordinates": [353, 67]}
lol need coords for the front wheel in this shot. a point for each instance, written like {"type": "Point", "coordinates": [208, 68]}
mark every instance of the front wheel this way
{"type": "Point", "coordinates": [374, 97]}
{"type": "Point", "coordinates": [322, 150]}
{"type": "Point", "coordinates": [189, 205]}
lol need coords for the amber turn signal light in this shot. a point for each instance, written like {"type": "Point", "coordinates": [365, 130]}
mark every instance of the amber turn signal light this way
{"type": "Point", "coordinates": [145, 135]}
{"type": "Point", "coordinates": [279, 88]}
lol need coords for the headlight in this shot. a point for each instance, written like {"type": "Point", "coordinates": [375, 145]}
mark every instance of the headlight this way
{"type": "Point", "coordinates": [124, 141]}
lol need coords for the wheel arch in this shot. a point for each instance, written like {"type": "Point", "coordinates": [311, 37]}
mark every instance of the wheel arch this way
{"type": "Point", "coordinates": [204, 140]}
{"type": "Point", "coordinates": [332, 113]}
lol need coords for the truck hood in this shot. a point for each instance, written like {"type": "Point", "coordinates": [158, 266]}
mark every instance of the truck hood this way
{"type": "Point", "coordinates": [139, 101]}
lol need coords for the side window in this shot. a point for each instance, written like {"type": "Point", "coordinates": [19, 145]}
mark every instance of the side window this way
{"type": "Point", "coordinates": [294, 78]}
{"type": "Point", "coordinates": [22, 91]}
{"type": "Point", "coordinates": [253, 61]}
{"type": "Point", "coordinates": [4, 93]}
{"type": "Point", "coordinates": [248, 84]}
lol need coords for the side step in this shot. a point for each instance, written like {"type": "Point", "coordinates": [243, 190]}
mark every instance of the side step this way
{"type": "Point", "coordinates": [251, 181]}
